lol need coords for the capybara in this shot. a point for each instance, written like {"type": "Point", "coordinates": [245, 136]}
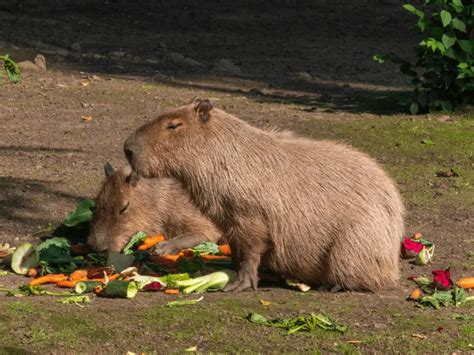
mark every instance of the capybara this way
{"type": "Point", "coordinates": [125, 206]}
{"type": "Point", "coordinates": [317, 211]}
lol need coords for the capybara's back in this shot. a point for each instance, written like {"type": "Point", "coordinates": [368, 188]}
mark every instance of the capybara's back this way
{"type": "Point", "coordinates": [317, 211]}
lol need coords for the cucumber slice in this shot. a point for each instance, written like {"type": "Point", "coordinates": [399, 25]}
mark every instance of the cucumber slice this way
{"type": "Point", "coordinates": [86, 286]}
{"type": "Point", "coordinates": [120, 289]}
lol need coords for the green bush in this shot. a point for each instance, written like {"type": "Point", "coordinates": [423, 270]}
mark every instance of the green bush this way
{"type": "Point", "coordinates": [443, 74]}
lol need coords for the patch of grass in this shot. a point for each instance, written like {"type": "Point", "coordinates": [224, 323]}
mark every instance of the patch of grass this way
{"type": "Point", "coordinates": [16, 308]}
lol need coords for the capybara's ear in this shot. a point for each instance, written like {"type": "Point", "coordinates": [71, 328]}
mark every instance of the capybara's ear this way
{"type": "Point", "coordinates": [202, 108]}
{"type": "Point", "coordinates": [132, 179]}
{"type": "Point", "coordinates": [109, 169]}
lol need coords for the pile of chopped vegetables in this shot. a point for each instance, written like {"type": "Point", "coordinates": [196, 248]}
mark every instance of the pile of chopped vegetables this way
{"type": "Point", "coordinates": [418, 248]}
{"type": "Point", "coordinates": [55, 261]}
{"type": "Point", "coordinates": [441, 290]}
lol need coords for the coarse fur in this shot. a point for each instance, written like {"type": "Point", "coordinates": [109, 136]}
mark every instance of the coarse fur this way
{"type": "Point", "coordinates": [318, 211]}
{"type": "Point", "coordinates": [154, 206]}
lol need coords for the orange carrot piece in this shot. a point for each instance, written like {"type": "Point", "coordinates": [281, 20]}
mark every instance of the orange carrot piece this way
{"type": "Point", "coordinates": [165, 259]}
{"type": "Point", "coordinates": [150, 242]}
{"type": "Point", "coordinates": [215, 257]}
{"type": "Point", "coordinates": [32, 272]}
{"type": "Point", "coordinates": [113, 277]}
{"type": "Point", "coordinates": [224, 249]}
{"type": "Point", "coordinates": [171, 291]}
{"type": "Point", "coordinates": [67, 284]}
{"type": "Point", "coordinates": [48, 279]}
{"type": "Point", "coordinates": [415, 294]}
{"type": "Point", "coordinates": [78, 274]}
{"type": "Point", "coordinates": [466, 282]}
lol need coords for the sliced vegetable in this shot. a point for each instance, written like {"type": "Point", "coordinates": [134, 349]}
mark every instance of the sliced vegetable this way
{"type": "Point", "coordinates": [298, 285]}
{"type": "Point", "coordinates": [183, 302]}
{"type": "Point", "coordinates": [66, 284]}
{"type": "Point", "coordinates": [205, 248]}
{"type": "Point", "coordinates": [224, 249]}
{"type": "Point", "coordinates": [120, 289]}
{"type": "Point", "coordinates": [153, 286]}
{"type": "Point", "coordinates": [165, 259]}
{"type": "Point", "coordinates": [150, 242]}
{"type": "Point", "coordinates": [466, 282]}
{"type": "Point", "coordinates": [32, 272]}
{"type": "Point", "coordinates": [75, 300]}
{"type": "Point", "coordinates": [48, 279]}
{"type": "Point", "coordinates": [171, 280]}
{"type": "Point", "coordinates": [24, 258]}
{"type": "Point", "coordinates": [307, 323]}
{"type": "Point", "coordinates": [215, 257]}
{"type": "Point", "coordinates": [171, 291]}
{"type": "Point", "coordinates": [98, 272]}
{"type": "Point", "coordinates": [136, 239]}
{"type": "Point", "coordinates": [79, 275]}
{"type": "Point", "coordinates": [207, 283]}
{"type": "Point", "coordinates": [415, 294]}
{"type": "Point", "coordinates": [86, 286]}
{"type": "Point", "coordinates": [82, 213]}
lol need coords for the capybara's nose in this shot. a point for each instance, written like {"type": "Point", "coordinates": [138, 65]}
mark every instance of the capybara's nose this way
{"type": "Point", "coordinates": [130, 149]}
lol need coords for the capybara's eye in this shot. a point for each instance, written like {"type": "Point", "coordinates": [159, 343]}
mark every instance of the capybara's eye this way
{"type": "Point", "coordinates": [124, 208]}
{"type": "Point", "coordinates": [174, 125]}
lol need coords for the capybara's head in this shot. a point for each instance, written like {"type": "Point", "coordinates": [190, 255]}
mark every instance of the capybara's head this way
{"type": "Point", "coordinates": [162, 144]}
{"type": "Point", "coordinates": [113, 222]}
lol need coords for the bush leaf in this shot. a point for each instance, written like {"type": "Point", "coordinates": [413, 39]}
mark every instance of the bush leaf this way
{"type": "Point", "coordinates": [445, 17]}
{"type": "Point", "coordinates": [448, 40]}
{"type": "Point", "coordinates": [459, 25]}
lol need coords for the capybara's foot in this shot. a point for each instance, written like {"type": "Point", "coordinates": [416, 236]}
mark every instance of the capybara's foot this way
{"type": "Point", "coordinates": [243, 282]}
{"type": "Point", "coordinates": [165, 248]}
{"type": "Point", "coordinates": [335, 288]}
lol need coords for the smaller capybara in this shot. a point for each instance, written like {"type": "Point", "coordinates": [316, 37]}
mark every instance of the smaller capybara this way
{"type": "Point", "coordinates": [125, 206]}
{"type": "Point", "coordinates": [320, 212]}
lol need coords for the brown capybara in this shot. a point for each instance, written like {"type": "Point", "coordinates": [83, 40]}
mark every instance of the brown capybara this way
{"type": "Point", "coordinates": [317, 211]}
{"type": "Point", "coordinates": [154, 206]}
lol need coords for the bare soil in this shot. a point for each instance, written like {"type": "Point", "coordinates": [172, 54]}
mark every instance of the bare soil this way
{"type": "Point", "coordinates": [308, 68]}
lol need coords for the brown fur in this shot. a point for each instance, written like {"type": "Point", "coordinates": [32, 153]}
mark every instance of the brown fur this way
{"type": "Point", "coordinates": [155, 206]}
{"type": "Point", "coordinates": [318, 211]}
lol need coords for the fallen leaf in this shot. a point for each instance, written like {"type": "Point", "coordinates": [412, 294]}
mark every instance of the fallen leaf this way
{"type": "Point", "coordinates": [354, 341]}
{"type": "Point", "coordinates": [450, 173]}
{"type": "Point", "coordinates": [191, 349]}
{"type": "Point", "coordinates": [427, 141]}
{"type": "Point", "coordinates": [265, 303]}
{"type": "Point", "coordinates": [439, 329]}
{"type": "Point", "coordinates": [86, 118]}
{"type": "Point", "coordinates": [84, 83]}
{"type": "Point", "coordinates": [419, 336]}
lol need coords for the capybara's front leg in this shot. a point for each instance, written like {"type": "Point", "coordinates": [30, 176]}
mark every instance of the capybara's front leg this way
{"type": "Point", "coordinates": [248, 274]}
{"type": "Point", "coordinates": [176, 244]}
{"type": "Point", "coordinates": [249, 246]}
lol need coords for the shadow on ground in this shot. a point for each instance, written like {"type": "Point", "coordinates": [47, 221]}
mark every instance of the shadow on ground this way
{"type": "Point", "coordinates": [322, 50]}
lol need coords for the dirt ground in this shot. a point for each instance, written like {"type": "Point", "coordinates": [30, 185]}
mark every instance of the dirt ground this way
{"type": "Point", "coordinates": [308, 68]}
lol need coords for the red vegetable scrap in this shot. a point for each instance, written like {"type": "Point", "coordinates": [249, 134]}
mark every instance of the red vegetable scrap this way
{"type": "Point", "coordinates": [442, 279]}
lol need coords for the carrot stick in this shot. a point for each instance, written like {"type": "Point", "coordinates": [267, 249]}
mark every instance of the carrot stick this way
{"type": "Point", "coordinates": [78, 274]}
{"type": "Point", "coordinates": [48, 279]}
{"type": "Point", "coordinates": [32, 272]}
{"type": "Point", "coordinates": [113, 277]}
{"type": "Point", "coordinates": [224, 249]}
{"type": "Point", "coordinates": [171, 291]}
{"type": "Point", "coordinates": [67, 284]}
{"type": "Point", "coordinates": [165, 259]}
{"type": "Point", "coordinates": [466, 282]}
{"type": "Point", "coordinates": [150, 242]}
{"type": "Point", "coordinates": [215, 257]}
